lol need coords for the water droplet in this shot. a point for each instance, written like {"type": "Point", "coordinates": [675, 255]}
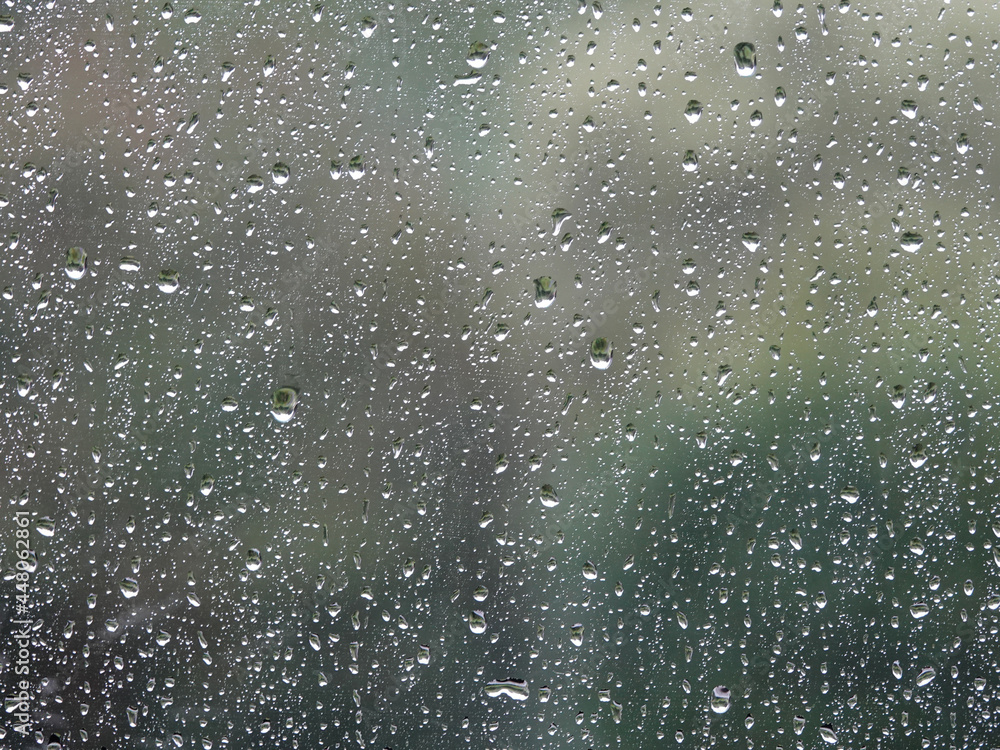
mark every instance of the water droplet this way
{"type": "Point", "coordinates": [909, 108]}
{"type": "Point", "coordinates": [514, 689]}
{"type": "Point", "coordinates": [576, 634]}
{"type": "Point", "coordinates": [128, 263]}
{"type": "Point", "coordinates": [693, 111]}
{"type": "Point", "coordinates": [207, 483]}
{"type": "Point", "coordinates": [368, 26]}
{"type": "Point", "coordinates": [559, 217]}
{"type": "Point", "coordinates": [719, 702]}
{"type": "Point", "coordinates": [690, 161]}
{"type": "Point", "coordinates": [898, 396]}
{"type": "Point", "coordinates": [280, 173]}
{"type": "Point", "coordinates": [850, 494]}
{"type": "Point", "coordinates": [918, 456]}
{"type": "Point", "coordinates": [283, 403]}
{"type": "Point", "coordinates": [548, 496]}
{"type": "Point", "coordinates": [545, 291]}
{"type": "Point", "coordinates": [751, 241]}
{"type": "Point", "coordinates": [168, 281]}
{"type": "Point", "coordinates": [253, 559]}
{"type": "Point", "coordinates": [356, 168]}
{"type": "Point", "coordinates": [589, 570]}
{"type": "Point", "coordinates": [911, 241]}
{"type": "Point", "coordinates": [477, 622]}
{"type": "Point", "coordinates": [129, 588]}
{"type": "Point", "coordinates": [601, 353]}
{"type": "Point", "coordinates": [479, 53]}
{"type": "Point", "coordinates": [926, 675]}
{"type": "Point", "coordinates": [828, 735]}
{"type": "Point", "coordinates": [746, 59]}
{"type": "Point", "coordinates": [779, 96]}
{"type": "Point", "coordinates": [919, 610]}
{"type": "Point", "coordinates": [76, 263]}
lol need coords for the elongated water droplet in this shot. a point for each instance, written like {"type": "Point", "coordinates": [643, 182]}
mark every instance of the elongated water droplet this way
{"type": "Point", "coordinates": [926, 675]}
{"type": "Point", "coordinates": [514, 689]}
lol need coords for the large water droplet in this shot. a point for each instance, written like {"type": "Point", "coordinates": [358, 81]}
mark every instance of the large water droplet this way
{"type": "Point", "coordinates": [253, 559]}
{"type": "Point", "coordinates": [514, 689]}
{"type": "Point", "coordinates": [168, 281]}
{"type": "Point", "coordinates": [746, 59]}
{"type": "Point", "coordinates": [477, 622]}
{"type": "Point", "coordinates": [280, 173]}
{"type": "Point", "coordinates": [719, 702]}
{"type": "Point", "coordinates": [479, 53]}
{"type": "Point", "coordinates": [283, 403]}
{"type": "Point", "coordinates": [926, 675]}
{"type": "Point", "coordinates": [911, 241]}
{"type": "Point", "coordinates": [693, 111]}
{"type": "Point", "coordinates": [601, 353]}
{"type": "Point", "coordinates": [129, 588]}
{"type": "Point", "coordinates": [545, 291]}
{"type": "Point", "coordinates": [548, 496]}
{"type": "Point", "coordinates": [828, 735]}
{"type": "Point", "coordinates": [76, 263]}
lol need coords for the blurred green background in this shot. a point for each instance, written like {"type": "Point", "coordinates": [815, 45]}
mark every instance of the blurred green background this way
{"type": "Point", "coordinates": [782, 484]}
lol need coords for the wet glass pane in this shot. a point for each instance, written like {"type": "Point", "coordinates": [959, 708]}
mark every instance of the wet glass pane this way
{"type": "Point", "coordinates": [539, 375]}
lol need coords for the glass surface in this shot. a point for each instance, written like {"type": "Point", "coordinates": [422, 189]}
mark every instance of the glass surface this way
{"type": "Point", "coordinates": [511, 375]}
